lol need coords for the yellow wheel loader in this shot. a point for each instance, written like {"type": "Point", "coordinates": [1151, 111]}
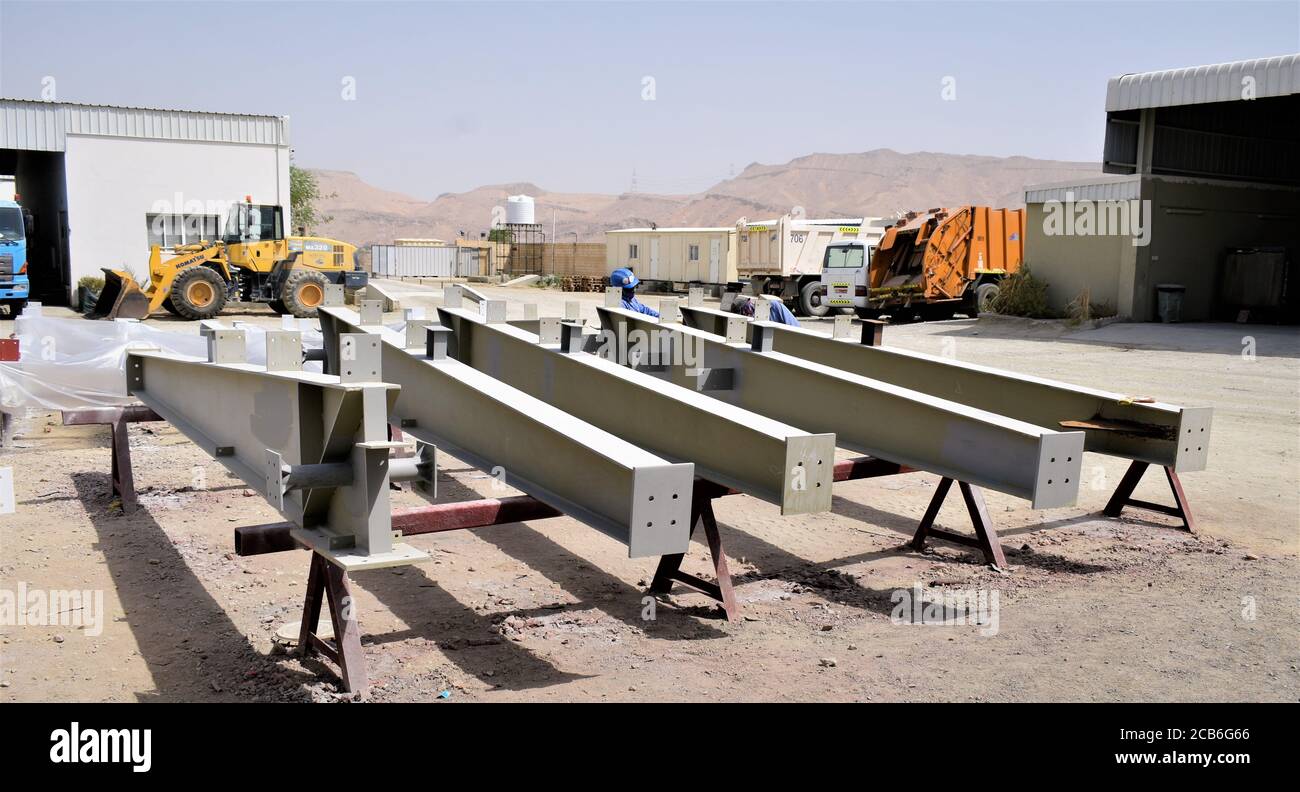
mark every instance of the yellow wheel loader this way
{"type": "Point", "coordinates": [253, 262]}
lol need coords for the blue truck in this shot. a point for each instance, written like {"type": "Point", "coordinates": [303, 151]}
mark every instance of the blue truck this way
{"type": "Point", "coordinates": [15, 288]}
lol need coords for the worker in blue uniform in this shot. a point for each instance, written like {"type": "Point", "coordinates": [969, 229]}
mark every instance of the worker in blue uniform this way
{"type": "Point", "coordinates": [778, 313]}
{"type": "Point", "coordinates": [625, 279]}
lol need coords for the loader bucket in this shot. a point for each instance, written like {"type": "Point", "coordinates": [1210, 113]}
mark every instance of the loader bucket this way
{"type": "Point", "coordinates": [120, 298]}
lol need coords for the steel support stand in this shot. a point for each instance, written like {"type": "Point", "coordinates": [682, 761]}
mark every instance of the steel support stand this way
{"type": "Point", "coordinates": [670, 566]}
{"type": "Point", "coordinates": [329, 581]}
{"type": "Point", "coordinates": [1123, 496]}
{"type": "Point", "coordinates": [123, 480]}
{"type": "Point", "coordinates": [116, 418]}
{"type": "Point", "coordinates": [985, 538]}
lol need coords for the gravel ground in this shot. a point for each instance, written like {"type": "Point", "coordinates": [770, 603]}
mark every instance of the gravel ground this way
{"type": "Point", "coordinates": [1091, 608]}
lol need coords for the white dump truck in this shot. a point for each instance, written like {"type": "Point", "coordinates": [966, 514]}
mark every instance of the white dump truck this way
{"type": "Point", "coordinates": [783, 257]}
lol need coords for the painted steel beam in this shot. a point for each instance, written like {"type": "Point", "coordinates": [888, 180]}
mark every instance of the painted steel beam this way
{"type": "Point", "coordinates": [866, 415]}
{"type": "Point", "coordinates": [264, 424]}
{"type": "Point", "coordinates": [611, 485]}
{"type": "Point", "coordinates": [729, 445]}
{"type": "Point", "coordinates": [1113, 424]}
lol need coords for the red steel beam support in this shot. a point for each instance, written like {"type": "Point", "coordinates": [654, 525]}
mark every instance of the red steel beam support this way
{"type": "Point", "coordinates": [486, 512]}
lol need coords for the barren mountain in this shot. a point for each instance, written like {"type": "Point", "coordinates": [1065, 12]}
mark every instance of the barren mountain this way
{"type": "Point", "coordinates": [880, 182]}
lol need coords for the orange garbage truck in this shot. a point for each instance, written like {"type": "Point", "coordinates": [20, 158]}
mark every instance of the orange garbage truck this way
{"type": "Point", "coordinates": [928, 265]}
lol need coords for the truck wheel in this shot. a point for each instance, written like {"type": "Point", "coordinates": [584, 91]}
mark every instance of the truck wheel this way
{"type": "Point", "coordinates": [198, 293]}
{"type": "Point", "coordinates": [812, 299]}
{"type": "Point", "coordinates": [304, 292]}
{"type": "Point", "coordinates": [171, 309]}
{"type": "Point", "coordinates": [278, 306]}
{"type": "Point", "coordinates": [985, 293]}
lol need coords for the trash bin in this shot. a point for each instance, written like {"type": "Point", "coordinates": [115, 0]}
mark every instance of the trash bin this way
{"type": "Point", "coordinates": [1169, 301]}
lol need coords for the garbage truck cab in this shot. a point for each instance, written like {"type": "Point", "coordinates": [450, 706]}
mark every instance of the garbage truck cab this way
{"type": "Point", "coordinates": [15, 288]}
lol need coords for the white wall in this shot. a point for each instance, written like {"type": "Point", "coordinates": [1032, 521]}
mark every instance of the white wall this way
{"type": "Point", "coordinates": [114, 182]}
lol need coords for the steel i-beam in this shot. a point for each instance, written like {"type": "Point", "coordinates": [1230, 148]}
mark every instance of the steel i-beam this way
{"type": "Point", "coordinates": [729, 445]}
{"type": "Point", "coordinates": [611, 485]}
{"type": "Point", "coordinates": [867, 415]}
{"type": "Point", "coordinates": [315, 445]}
{"type": "Point", "coordinates": [1113, 424]}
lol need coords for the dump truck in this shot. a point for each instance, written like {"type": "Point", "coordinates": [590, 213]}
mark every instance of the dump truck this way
{"type": "Point", "coordinates": [928, 265]}
{"type": "Point", "coordinates": [784, 257]}
{"type": "Point", "coordinates": [253, 262]}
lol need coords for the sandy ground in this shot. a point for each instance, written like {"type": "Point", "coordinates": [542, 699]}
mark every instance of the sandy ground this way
{"type": "Point", "coordinates": [1091, 608]}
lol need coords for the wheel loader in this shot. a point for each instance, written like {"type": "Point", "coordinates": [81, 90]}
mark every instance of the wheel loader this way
{"type": "Point", "coordinates": [253, 262]}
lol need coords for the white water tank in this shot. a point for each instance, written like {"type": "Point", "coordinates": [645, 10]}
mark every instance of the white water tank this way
{"type": "Point", "coordinates": [519, 210]}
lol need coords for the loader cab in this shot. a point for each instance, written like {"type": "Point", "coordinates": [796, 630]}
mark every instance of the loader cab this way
{"type": "Point", "coordinates": [254, 236]}
{"type": "Point", "coordinates": [250, 222]}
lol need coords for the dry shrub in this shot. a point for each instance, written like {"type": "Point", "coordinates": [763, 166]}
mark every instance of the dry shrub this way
{"type": "Point", "coordinates": [1021, 294]}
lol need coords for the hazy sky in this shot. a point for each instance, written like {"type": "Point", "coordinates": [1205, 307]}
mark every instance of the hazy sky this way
{"type": "Point", "coordinates": [452, 96]}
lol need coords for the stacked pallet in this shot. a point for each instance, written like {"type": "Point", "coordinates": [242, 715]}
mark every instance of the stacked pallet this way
{"type": "Point", "coordinates": [582, 283]}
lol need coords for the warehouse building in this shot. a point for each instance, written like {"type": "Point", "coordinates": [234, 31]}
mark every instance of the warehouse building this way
{"type": "Point", "coordinates": [677, 256]}
{"type": "Point", "coordinates": [1203, 203]}
{"type": "Point", "coordinates": [104, 183]}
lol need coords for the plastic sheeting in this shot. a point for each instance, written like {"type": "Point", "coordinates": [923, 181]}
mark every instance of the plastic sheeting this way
{"type": "Point", "coordinates": [69, 363]}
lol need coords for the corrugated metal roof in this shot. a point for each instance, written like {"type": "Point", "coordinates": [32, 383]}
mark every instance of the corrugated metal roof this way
{"type": "Point", "coordinates": [36, 126]}
{"type": "Point", "coordinates": [1123, 188]}
{"type": "Point", "coordinates": [44, 126]}
{"type": "Point", "coordinates": [1221, 82]}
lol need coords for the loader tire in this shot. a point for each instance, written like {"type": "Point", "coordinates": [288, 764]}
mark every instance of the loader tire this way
{"type": "Point", "coordinates": [278, 306]}
{"type": "Point", "coordinates": [170, 308]}
{"type": "Point", "coordinates": [198, 293]}
{"type": "Point", "coordinates": [304, 292]}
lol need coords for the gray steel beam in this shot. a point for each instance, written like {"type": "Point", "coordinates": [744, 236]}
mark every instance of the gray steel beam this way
{"type": "Point", "coordinates": [729, 445]}
{"type": "Point", "coordinates": [265, 425]}
{"type": "Point", "coordinates": [867, 415]}
{"type": "Point", "coordinates": [1113, 424]}
{"type": "Point", "coordinates": [595, 477]}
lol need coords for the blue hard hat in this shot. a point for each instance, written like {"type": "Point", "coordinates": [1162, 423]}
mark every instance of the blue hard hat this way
{"type": "Point", "coordinates": [623, 278]}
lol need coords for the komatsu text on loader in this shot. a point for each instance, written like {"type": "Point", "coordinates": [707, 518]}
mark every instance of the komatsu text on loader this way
{"type": "Point", "coordinates": [253, 262]}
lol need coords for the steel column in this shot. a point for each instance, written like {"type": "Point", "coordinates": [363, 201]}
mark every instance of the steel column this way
{"type": "Point", "coordinates": [599, 479]}
{"type": "Point", "coordinates": [1113, 424]}
{"type": "Point", "coordinates": [867, 415]}
{"type": "Point", "coordinates": [729, 445]}
{"type": "Point", "coordinates": [257, 422]}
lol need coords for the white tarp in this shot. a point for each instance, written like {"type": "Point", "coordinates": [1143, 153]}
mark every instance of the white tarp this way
{"type": "Point", "coordinates": [69, 363]}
